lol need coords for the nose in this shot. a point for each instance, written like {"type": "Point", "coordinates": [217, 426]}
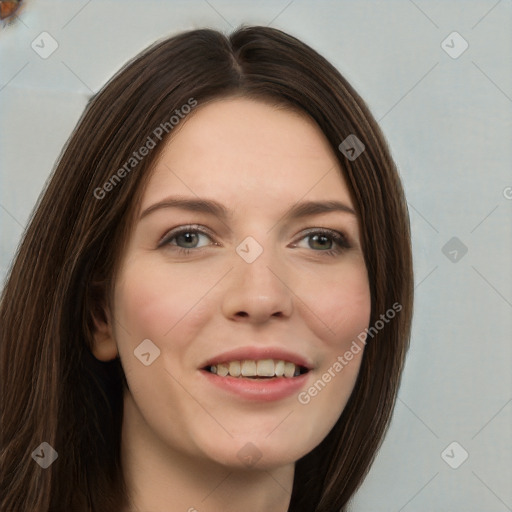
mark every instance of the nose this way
{"type": "Point", "coordinates": [258, 291]}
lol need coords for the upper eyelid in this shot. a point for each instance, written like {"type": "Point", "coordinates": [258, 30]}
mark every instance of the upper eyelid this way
{"type": "Point", "coordinates": [172, 233]}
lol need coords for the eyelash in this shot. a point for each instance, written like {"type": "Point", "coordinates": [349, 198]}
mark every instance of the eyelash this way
{"type": "Point", "coordinates": [338, 238]}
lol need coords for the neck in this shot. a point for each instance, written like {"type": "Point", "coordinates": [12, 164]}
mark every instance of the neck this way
{"type": "Point", "coordinates": [162, 479]}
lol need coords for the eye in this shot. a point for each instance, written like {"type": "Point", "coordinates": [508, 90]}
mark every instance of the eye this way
{"type": "Point", "coordinates": [327, 241]}
{"type": "Point", "coordinates": [185, 239]}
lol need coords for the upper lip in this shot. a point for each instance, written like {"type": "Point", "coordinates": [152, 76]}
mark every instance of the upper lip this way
{"type": "Point", "coordinates": [256, 354]}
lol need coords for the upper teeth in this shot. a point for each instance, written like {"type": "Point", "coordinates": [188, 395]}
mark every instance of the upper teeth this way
{"type": "Point", "coordinates": [261, 368]}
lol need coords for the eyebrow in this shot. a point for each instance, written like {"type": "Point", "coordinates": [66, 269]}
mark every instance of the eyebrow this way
{"type": "Point", "coordinates": [212, 207]}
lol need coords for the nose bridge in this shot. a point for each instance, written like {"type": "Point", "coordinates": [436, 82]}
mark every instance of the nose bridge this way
{"type": "Point", "coordinates": [257, 289]}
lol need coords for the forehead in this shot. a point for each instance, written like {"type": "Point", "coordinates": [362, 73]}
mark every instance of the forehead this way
{"type": "Point", "coordinates": [241, 148]}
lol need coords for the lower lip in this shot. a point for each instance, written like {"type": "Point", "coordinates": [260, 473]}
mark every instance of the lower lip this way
{"type": "Point", "coordinates": [264, 390]}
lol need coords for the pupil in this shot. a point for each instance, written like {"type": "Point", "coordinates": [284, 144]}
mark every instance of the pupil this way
{"type": "Point", "coordinates": [324, 239]}
{"type": "Point", "coordinates": [188, 237]}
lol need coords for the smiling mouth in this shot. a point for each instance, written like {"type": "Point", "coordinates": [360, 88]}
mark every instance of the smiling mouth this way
{"type": "Point", "coordinates": [257, 369]}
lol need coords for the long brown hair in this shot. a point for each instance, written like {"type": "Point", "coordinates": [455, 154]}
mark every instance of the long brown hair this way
{"type": "Point", "coordinates": [54, 390]}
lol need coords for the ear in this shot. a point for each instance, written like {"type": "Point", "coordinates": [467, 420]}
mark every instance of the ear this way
{"type": "Point", "coordinates": [104, 346]}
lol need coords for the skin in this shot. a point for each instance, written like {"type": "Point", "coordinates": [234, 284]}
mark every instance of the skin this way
{"type": "Point", "coordinates": [181, 435]}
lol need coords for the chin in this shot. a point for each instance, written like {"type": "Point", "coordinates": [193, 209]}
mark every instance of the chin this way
{"type": "Point", "coordinates": [257, 452]}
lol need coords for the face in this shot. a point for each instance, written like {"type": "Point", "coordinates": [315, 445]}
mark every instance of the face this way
{"type": "Point", "coordinates": [230, 267]}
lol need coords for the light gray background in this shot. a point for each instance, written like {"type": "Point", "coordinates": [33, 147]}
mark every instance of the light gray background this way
{"type": "Point", "coordinates": [449, 124]}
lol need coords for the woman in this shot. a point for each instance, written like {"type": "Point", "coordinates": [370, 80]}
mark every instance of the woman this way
{"type": "Point", "coordinates": [254, 369]}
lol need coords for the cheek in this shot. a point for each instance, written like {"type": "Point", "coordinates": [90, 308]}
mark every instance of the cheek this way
{"type": "Point", "coordinates": [341, 304]}
{"type": "Point", "coordinates": [342, 308]}
{"type": "Point", "coordinates": [327, 394]}
{"type": "Point", "coordinates": [152, 302]}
